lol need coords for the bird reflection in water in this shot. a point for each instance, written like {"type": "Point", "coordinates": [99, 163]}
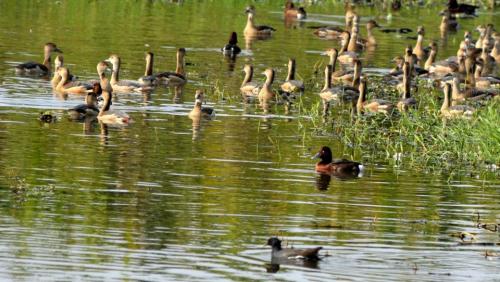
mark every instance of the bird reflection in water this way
{"type": "Point", "coordinates": [323, 179]}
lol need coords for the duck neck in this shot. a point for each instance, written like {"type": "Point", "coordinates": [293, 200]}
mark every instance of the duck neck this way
{"type": "Point", "coordinates": [357, 75]}
{"type": "Point", "coordinates": [345, 43]}
{"type": "Point", "coordinates": [430, 60]}
{"type": "Point", "coordinates": [55, 79]}
{"type": "Point", "coordinates": [291, 70]}
{"type": "Point", "coordinates": [406, 86]}
{"type": "Point", "coordinates": [353, 41]}
{"type": "Point", "coordinates": [469, 72]}
{"type": "Point", "coordinates": [250, 25]}
{"type": "Point", "coordinates": [418, 45]}
{"type": "Point", "coordinates": [63, 81]}
{"type": "Point", "coordinates": [369, 34]}
{"type": "Point", "coordinates": [455, 90]}
{"type": "Point", "coordinates": [248, 76]}
{"type": "Point", "coordinates": [107, 102]}
{"type": "Point", "coordinates": [269, 80]}
{"type": "Point", "coordinates": [446, 101]}
{"type": "Point", "coordinates": [46, 59]}
{"type": "Point", "coordinates": [149, 65]}
{"type": "Point", "coordinates": [115, 74]}
{"type": "Point", "coordinates": [180, 63]}
{"type": "Point", "coordinates": [333, 61]}
{"type": "Point", "coordinates": [328, 82]}
{"type": "Point", "coordinates": [495, 52]}
{"type": "Point", "coordinates": [362, 96]}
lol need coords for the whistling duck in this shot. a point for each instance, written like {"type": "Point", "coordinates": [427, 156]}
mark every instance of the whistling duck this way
{"type": "Point", "coordinates": [406, 101]}
{"type": "Point", "coordinates": [249, 88]}
{"type": "Point", "coordinates": [370, 38]}
{"type": "Point", "coordinates": [354, 42]}
{"type": "Point", "coordinates": [338, 93]}
{"type": "Point", "coordinates": [89, 109]}
{"type": "Point", "coordinates": [292, 12]}
{"type": "Point", "coordinates": [455, 8]}
{"type": "Point", "coordinates": [65, 86]}
{"type": "Point", "coordinates": [350, 14]}
{"type": "Point", "coordinates": [453, 111]}
{"type": "Point", "coordinates": [328, 164]}
{"type": "Point", "coordinates": [122, 86]}
{"type": "Point", "coordinates": [347, 76]}
{"type": "Point", "coordinates": [106, 114]}
{"type": "Point", "coordinates": [448, 23]}
{"type": "Point", "coordinates": [345, 56]}
{"type": "Point", "coordinates": [419, 50]}
{"type": "Point", "coordinates": [198, 111]}
{"type": "Point", "coordinates": [467, 93]}
{"type": "Point", "coordinates": [231, 48]}
{"type": "Point", "coordinates": [495, 52]}
{"type": "Point", "coordinates": [148, 79]}
{"type": "Point", "coordinates": [58, 62]}
{"type": "Point", "coordinates": [440, 67]}
{"type": "Point", "coordinates": [291, 85]}
{"type": "Point", "coordinates": [281, 253]}
{"type": "Point", "coordinates": [488, 61]}
{"type": "Point", "coordinates": [37, 68]}
{"type": "Point", "coordinates": [252, 30]}
{"type": "Point", "coordinates": [375, 105]}
{"type": "Point", "coordinates": [178, 77]}
{"type": "Point", "coordinates": [484, 82]}
{"type": "Point", "coordinates": [266, 93]}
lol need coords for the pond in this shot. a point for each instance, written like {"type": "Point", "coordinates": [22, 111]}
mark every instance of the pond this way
{"type": "Point", "coordinates": [165, 199]}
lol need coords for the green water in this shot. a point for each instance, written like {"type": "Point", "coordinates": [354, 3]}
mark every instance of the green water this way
{"type": "Point", "coordinates": [162, 199]}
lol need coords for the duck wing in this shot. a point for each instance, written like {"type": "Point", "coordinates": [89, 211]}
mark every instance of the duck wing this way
{"type": "Point", "coordinates": [32, 66]}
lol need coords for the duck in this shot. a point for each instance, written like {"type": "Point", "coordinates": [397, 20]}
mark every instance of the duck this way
{"type": "Point", "coordinates": [374, 105]}
{"type": "Point", "coordinates": [148, 79]}
{"type": "Point", "coordinates": [58, 62]}
{"type": "Point", "coordinates": [333, 94]}
{"type": "Point", "coordinates": [292, 12]}
{"type": "Point", "coordinates": [470, 93]}
{"type": "Point", "coordinates": [34, 68]}
{"type": "Point", "coordinates": [448, 23]}
{"type": "Point", "coordinates": [249, 88]}
{"type": "Point", "coordinates": [102, 66]}
{"type": "Point", "coordinates": [279, 253]}
{"type": "Point", "coordinates": [122, 86]}
{"type": "Point", "coordinates": [345, 56]}
{"type": "Point", "coordinates": [449, 111]}
{"type": "Point", "coordinates": [106, 114]}
{"type": "Point", "coordinates": [370, 38]}
{"type": "Point", "coordinates": [231, 48]}
{"type": "Point", "coordinates": [406, 101]}
{"type": "Point", "coordinates": [89, 109]}
{"type": "Point", "coordinates": [330, 32]}
{"type": "Point", "coordinates": [67, 87]}
{"type": "Point", "coordinates": [252, 30]}
{"type": "Point", "coordinates": [266, 93]}
{"type": "Point", "coordinates": [418, 50]}
{"type": "Point", "coordinates": [441, 67]}
{"type": "Point", "coordinates": [354, 40]}
{"type": "Point", "coordinates": [198, 110]}
{"type": "Point", "coordinates": [484, 82]}
{"type": "Point", "coordinates": [178, 77]}
{"type": "Point", "coordinates": [350, 14]}
{"type": "Point", "coordinates": [495, 52]}
{"type": "Point", "coordinates": [291, 85]}
{"type": "Point", "coordinates": [455, 8]}
{"type": "Point", "coordinates": [329, 165]}
{"type": "Point", "coordinates": [347, 76]}
{"type": "Point", "coordinates": [488, 61]}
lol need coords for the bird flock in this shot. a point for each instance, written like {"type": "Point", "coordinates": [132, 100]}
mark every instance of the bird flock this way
{"type": "Point", "coordinates": [474, 65]}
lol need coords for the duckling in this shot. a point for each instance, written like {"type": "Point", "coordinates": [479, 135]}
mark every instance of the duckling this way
{"type": "Point", "coordinates": [330, 165]}
{"type": "Point", "coordinates": [231, 48]}
{"type": "Point", "coordinates": [406, 101]}
{"type": "Point", "coordinates": [252, 30]}
{"type": "Point", "coordinates": [449, 111]}
{"type": "Point", "coordinates": [198, 111]}
{"type": "Point", "coordinates": [37, 68]}
{"type": "Point", "coordinates": [66, 87]}
{"type": "Point", "coordinates": [249, 89]}
{"type": "Point", "coordinates": [178, 77]}
{"type": "Point", "coordinates": [280, 253]}
{"type": "Point", "coordinates": [375, 105]}
{"type": "Point", "coordinates": [292, 12]}
{"type": "Point", "coordinates": [266, 94]}
{"type": "Point", "coordinates": [148, 79]}
{"type": "Point", "coordinates": [89, 109]}
{"type": "Point", "coordinates": [345, 56]}
{"type": "Point", "coordinates": [291, 85]}
{"type": "Point", "coordinates": [122, 86]}
{"type": "Point", "coordinates": [106, 114]}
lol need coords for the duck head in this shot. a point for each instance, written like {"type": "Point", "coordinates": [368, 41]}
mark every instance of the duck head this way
{"type": "Point", "coordinates": [325, 154]}
{"type": "Point", "coordinates": [274, 242]}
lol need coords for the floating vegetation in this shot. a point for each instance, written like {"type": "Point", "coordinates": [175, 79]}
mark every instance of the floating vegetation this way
{"type": "Point", "coordinates": [20, 187]}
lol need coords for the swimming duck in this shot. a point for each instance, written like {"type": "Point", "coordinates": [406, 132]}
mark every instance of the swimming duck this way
{"type": "Point", "coordinates": [231, 48]}
{"type": "Point", "coordinates": [148, 79]}
{"type": "Point", "coordinates": [406, 101]}
{"type": "Point", "coordinates": [346, 76]}
{"type": "Point", "coordinates": [58, 62]}
{"type": "Point", "coordinates": [448, 23]}
{"type": "Point", "coordinates": [370, 38]}
{"type": "Point", "coordinates": [350, 14]}
{"type": "Point", "coordinates": [178, 77]}
{"type": "Point", "coordinates": [453, 111]}
{"type": "Point", "coordinates": [252, 30]}
{"type": "Point", "coordinates": [418, 50]}
{"type": "Point", "coordinates": [455, 8]}
{"type": "Point", "coordinates": [374, 105]}
{"type": "Point", "coordinates": [122, 86]}
{"type": "Point", "coordinates": [106, 114]}
{"type": "Point", "coordinates": [292, 12]}
{"type": "Point", "coordinates": [67, 87]}
{"type": "Point", "coordinates": [330, 32]}
{"type": "Point", "coordinates": [89, 109]}
{"type": "Point", "coordinates": [102, 66]}
{"type": "Point", "coordinates": [266, 94]}
{"type": "Point", "coordinates": [338, 93]}
{"type": "Point", "coordinates": [345, 56]}
{"type": "Point", "coordinates": [278, 252]}
{"type": "Point", "coordinates": [354, 42]}
{"type": "Point", "coordinates": [37, 68]}
{"type": "Point", "coordinates": [291, 85]}
{"type": "Point", "coordinates": [249, 88]}
{"type": "Point", "coordinates": [329, 165]}
{"type": "Point", "coordinates": [198, 111]}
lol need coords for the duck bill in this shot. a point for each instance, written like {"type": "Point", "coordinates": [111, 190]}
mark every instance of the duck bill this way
{"type": "Point", "coordinates": [57, 50]}
{"type": "Point", "coordinates": [315, 156]}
